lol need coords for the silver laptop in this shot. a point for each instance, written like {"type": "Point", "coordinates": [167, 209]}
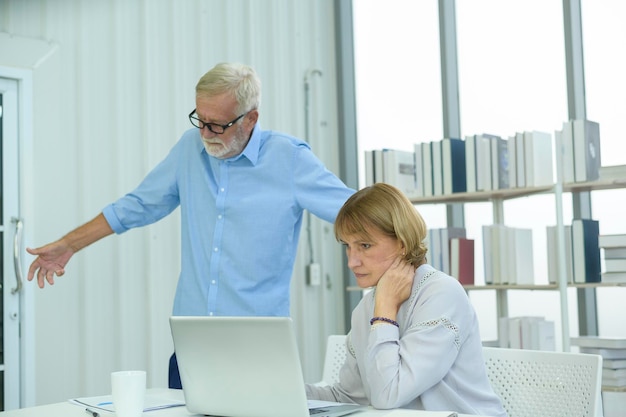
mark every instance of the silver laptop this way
{"type": "Point", "coordinates": [243, 367]}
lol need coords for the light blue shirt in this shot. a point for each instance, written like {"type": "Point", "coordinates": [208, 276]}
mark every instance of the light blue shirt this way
{"type": "Point", "coordinates": [240, 219]}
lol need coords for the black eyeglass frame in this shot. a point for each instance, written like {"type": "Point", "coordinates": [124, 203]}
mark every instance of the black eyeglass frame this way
{"type": "Point", "coordinates": [211, 126]}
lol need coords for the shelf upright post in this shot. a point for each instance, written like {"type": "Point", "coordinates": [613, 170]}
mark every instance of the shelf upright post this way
{"type": "Point", "coordinates": [502, 298]}
{"type": "Point", "coordinates": [562, 278]}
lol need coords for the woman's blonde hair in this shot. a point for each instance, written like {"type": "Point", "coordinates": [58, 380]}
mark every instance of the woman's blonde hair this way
{"type": "Point", "coordinates": [386, 208]}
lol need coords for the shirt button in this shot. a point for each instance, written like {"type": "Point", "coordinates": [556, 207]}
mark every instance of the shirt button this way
{"type": "Point", "coordinates": [215, 249]}
{"type": "Point", "coordinates": [219, 216]}
{"type": "Point", "coordinates": [222, 189]}
{"type": "Point", "coordinates": [213, 282]}
{"type": "Point", "coordinates": [210, 313]}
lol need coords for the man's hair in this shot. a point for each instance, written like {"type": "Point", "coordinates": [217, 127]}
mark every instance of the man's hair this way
{"type": "Point", "coordinates": [385, 208]}
{"type": "Point", "coordinates": [238, 79]}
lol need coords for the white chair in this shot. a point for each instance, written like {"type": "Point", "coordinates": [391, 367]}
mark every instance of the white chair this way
{"type": "Point", "coordinates": [534, 383]}
{"type": "Point", "coordinates": [334, 359]}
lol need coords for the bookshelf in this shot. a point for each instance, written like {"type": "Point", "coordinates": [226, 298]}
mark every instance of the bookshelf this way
{"type": "Point", "coordinates": [497, 197]}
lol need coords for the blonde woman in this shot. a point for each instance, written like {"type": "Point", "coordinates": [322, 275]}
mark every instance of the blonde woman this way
{"type": "Point", "coordinates": [415, 340]}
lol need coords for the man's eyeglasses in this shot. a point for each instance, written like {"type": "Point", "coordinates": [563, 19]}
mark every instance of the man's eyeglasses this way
{"type": "Point", "coordinates": [213, 127]}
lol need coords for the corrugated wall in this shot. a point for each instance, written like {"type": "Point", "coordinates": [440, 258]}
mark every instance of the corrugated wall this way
{"type": "Point", "coordinates": [108, 105]}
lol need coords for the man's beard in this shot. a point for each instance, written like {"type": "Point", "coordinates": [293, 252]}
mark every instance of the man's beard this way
{"type": "Point", "coordinates": [236, 145]}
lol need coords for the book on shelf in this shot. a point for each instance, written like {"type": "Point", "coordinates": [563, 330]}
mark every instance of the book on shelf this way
{"type": "Point", "coordinates": [538, 158]}
{"type": "Point", "coordinates": [613, 373]}
{"type": "Point", "coordinates": [419, 174]}
{"type": "Point", "coordinates": [553, 253]}
{"type": "Point", "coordinates": [526, 332]}
{"type": "Point", "coordinates": [606, 353]}
{"type": "Point", "coordinates": [585, 250]}
{"type": "Point", "coordinates": [511, 160]}
{"type": "Point", "coordinates": [453, 166]}
{"type": "Point", "coordinates": [399, 170]}
{"type": "Point", "coordinates": [435, 147]}
{"type": "Point", "coordinates": [519, 259]}
{"type": "Point", "coordinates": [612, 241]}
{"type": "Point", "coordinates": [445, 234]}
{"type": "Point", "coordinates": [483, 163]}
{"type": "Point", "coordinates": [614, 265]}
{"type": "Point", "coordinates": [379, 175]}
{"type": "Point", "coordinates": [507, 255]}
{"type": "Point", "coordinates": [427, 169]}
{"type": "Point", "coordinates": [613, 381]}
{"type": "Point", "coordinates": [494, 253]}
{"type": "Point", "coordinates": [614, 253]}
{"type": "Point", "coordinates": [614, 363]}
{"type": "Point", "coordinates": [599, 342]}
{"type": "Point", "coordinates": [613, 277]}
{"type": "Point", "coordinates": [520, 161]}
{"type": "Point", "coordinates": [567, 151]}
{"type": "Point", "coordinates": [462, 260]}
{"type": "Point", "coordinates": [369, 168]}
{"type": "Point", "coordinates": [587, 159]}
{"type": "Point", "coordinates": [470, 163]}
{"type": "Point", "coordinates": [434, 249]}
{"type": "Point", "coordinates": [499, 163]}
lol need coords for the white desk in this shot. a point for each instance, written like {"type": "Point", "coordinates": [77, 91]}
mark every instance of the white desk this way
{"type": "Point", "coordinates": [66, 409]}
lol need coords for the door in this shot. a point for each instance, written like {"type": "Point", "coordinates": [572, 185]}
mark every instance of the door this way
{"type": "Point", "coordinates": [11, 249]}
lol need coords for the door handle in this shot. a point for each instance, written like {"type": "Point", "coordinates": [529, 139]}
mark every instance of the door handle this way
{"type": "Point", "coordinates": [17, 246]}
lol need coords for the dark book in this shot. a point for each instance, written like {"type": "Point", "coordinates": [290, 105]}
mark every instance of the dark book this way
{"type": "Point", "coordinates": [462, 260]}
{"type": "Point", "coordinates": [453, 166]}
{"type": "Point", "coordinates": [586, 250]}
{"type": "Point", "coordinates": [587, 159]}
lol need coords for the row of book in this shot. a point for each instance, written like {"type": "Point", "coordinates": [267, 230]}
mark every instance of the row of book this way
{"type": "Point", "coordinates": [486, 162]}
{"type": "Point", "coordinates": [582, 251]}
{"type": "Point", "coordinates": [508, 255]}
{"type": "Point", "coordinates": [526, 332]}
{"type": "Point", "coordinates": [613, 352]}
{"type": "Point", "coordinates": [583, 248]}
{"type": "Point", "coordinates": [450, 251]}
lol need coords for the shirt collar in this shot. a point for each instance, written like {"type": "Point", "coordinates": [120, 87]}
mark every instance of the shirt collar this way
{"type": "Point", "coordinates": [251, 151]}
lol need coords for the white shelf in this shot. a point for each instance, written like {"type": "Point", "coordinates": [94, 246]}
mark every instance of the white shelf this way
{"type": "Point", "coordinates": [543, 287]}
{"type": "Point", "coordinates": [496, 197]}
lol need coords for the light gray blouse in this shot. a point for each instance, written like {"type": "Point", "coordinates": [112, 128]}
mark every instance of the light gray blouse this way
{"type": "Point", "coordinates": [434, 361]}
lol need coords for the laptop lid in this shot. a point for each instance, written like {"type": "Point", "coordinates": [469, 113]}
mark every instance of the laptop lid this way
{"type": "Point", "coordinates": [241, 366]}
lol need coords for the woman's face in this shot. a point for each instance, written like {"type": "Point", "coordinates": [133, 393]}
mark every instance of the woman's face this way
{"type": "Point", "coordinates": [370, 258]}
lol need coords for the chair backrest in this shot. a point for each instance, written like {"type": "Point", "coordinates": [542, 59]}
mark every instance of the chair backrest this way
{"type": "Point", "coordinates": [334, 358]}
{"type": "Point", "coordinates": [535, 383]}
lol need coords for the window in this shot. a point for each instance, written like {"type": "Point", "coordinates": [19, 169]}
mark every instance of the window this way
{"type": "Point", "coordinates": [512, 78]}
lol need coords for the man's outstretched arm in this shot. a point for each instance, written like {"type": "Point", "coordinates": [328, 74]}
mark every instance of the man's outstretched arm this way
{"type": "Point", "coordinates": [52, 258]}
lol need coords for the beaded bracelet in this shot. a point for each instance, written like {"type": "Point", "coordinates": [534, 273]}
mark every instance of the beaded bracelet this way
{"type": "Point", "coordinates": [385, 319]}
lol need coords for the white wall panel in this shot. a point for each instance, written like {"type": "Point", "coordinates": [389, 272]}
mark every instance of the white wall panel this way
{"type": "Point", "coordinates": [109, 105]}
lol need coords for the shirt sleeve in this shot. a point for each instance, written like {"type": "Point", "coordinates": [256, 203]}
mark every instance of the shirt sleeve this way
{"type": "Point", "coordinates": [317, 189]}
{"type": "Point", "coordinates": [154, 198]}
{"type": "Point", "coordinates": [350, 390]}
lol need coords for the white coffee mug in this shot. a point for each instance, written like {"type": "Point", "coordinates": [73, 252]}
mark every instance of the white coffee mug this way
{"type": "Point", "coordinates": [129, 392]}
